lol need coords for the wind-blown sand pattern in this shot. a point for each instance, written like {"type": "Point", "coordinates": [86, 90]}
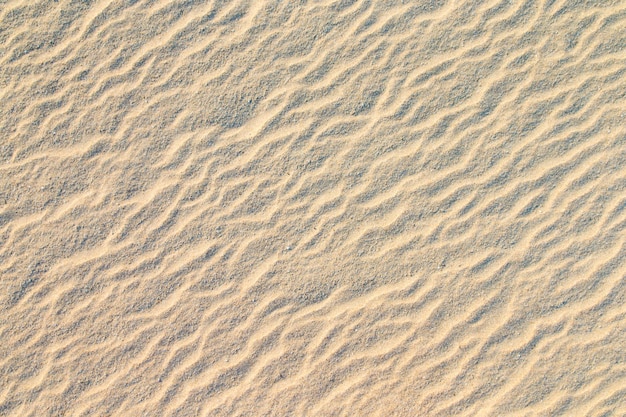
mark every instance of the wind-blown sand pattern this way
{"type": "Point", "coordinates": [312, 208]}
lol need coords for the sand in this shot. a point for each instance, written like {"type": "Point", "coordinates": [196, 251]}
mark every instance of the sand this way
{"type": "Point", "coordinates": [312, 208]}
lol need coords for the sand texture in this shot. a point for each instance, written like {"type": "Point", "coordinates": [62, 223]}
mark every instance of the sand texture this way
{"type": "Point", "coordinates": [312, 208]}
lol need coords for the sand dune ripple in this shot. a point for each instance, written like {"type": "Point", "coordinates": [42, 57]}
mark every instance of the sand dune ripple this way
{"type": "Point", "coordinates": [320, 208]}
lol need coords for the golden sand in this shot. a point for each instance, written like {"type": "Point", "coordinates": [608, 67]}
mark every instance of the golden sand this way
{"type": "Point", "coordinates": [312, 208]}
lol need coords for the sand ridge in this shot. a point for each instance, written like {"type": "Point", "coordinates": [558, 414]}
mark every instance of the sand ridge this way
{"type": "Point", "coordinates": [316, 208]}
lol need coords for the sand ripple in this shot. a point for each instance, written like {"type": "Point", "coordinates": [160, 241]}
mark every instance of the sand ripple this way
{"type": "Point", "coordinates": [266, 208]}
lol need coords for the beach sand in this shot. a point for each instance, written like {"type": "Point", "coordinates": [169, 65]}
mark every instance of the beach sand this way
{"type": "Point", "coordinates": [312, 208]}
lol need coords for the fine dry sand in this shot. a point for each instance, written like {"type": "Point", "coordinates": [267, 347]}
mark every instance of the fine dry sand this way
{"type": "Point", "coordinates": [312, 208]}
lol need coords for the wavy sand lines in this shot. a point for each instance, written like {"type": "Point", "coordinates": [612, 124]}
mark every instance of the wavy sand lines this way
{"type": "Point", "coordinates": [312, 208]}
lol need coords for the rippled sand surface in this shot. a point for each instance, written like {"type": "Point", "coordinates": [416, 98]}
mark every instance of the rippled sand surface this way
{"type": "Point", "coordinates": [312, 208]}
